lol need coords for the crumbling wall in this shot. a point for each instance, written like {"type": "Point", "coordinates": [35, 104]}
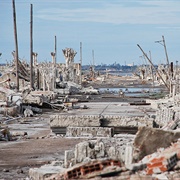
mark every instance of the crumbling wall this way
{"type": "Point", "coordinates": [95, 125]}
{"type": "Point", "coordinates": [97, 120]}
{"type": "Point", "coordinates": [74, 121]}
{"type": "Point", "coordinates": [114, 148]}
{"type": "Point", "coordinates": [89, 132]}
{"type": "Point", "coordinates": [169, 111]}
{"type": "Point", "coordinates": [148, 140]}
{"type": "Point", "coordinates": [110, 120]}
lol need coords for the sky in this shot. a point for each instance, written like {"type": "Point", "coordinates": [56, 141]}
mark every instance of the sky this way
{"type": "Point", "coordinates": [110, 28]}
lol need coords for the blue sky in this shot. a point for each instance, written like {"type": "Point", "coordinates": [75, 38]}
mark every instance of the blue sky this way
{"type": "Point", "coordinates": [112, 28]}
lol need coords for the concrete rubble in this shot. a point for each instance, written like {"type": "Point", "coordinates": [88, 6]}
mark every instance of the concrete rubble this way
{"type": "Point", "coordinates": [46, 171]}
{"type": "Point", "coordinates": [51, 84]}
{"type": "Point", "coordinates": [141, 142]}
{"type": "Point", "coordinates": [107, 157]}
{"type": "Point", "coordinates": [5, 134]}
{"type": "Point", "coordinates": [140, 156]}
{"type": "Point", "coordinates": [152, 153]}
{"type": "Point", "coordinates": [73, 88]}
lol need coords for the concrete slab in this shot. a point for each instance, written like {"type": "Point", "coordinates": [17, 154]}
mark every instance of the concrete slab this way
{"type": "Point", "coordinates": [108, 108]}
{"type": "Point", "coordinates": [103, 114]}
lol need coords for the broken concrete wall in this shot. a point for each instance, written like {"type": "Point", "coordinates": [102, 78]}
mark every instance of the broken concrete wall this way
{"type": "Point", "coordinates": [164, 114]}
{"type": "Point", "coordinates": [148, 140]}
{"type": "Point", "coordinates": [74, 121]}
{"type": "Point", "coordinates": [100, 148]}
{"type": "Point", "coordinates": [89, 132]}
{"type": "Point", "coordinates": [96, 121]}
{"type": "Point", "coordinates": [76, 68]}
{"type": "Point", "coordinates": [110, 120]}
{"type": "Point", "coordinates": [168, 111]}
{"type": "Point", "coordinates": [163, 164]}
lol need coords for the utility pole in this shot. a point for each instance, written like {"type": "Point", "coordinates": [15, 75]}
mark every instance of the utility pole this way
{"type": "Point", "coordinates": [151, 69]}
{"type": "Point", "coordinates": [162, 42]}
{"type": "Point", "coordinates": [165, 51]}
{"type": "Point", "coordinates": [169, 73]}
{"type": "Point", "coordinates": [80, 63]}
{"type": "Point", "coordinates": [93, 62]}
{"type": "Point", "coordinates": [55, 49]}
{"type": "Point", "coordinates": [93, 57]}
{"type": "Point", "coordinates": [31, 47]}
{"type": "Point", "coordinates": [153, 65]}
{"type": "Point", "coordinates": [54, 65]}
{"type": "Point", "coordinates": [16, 45]}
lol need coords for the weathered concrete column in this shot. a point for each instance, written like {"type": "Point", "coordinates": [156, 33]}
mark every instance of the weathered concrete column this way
{"type": "Point", "coordinates": [69, 55]}
{"type": "Point", "coordinates": [53, 69]}
{"type": "Point", "coordinates": [35, 59]}
{"type": "Point", "coordinates": [43, 81]}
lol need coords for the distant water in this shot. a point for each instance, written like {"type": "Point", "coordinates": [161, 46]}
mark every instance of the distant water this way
{"type": "Point", "coordinates": [131, 91]}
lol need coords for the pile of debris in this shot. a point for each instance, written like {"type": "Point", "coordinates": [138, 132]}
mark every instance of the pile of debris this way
{"type": "Point", "coordinates": [5, 134]}
{"type": "Point", "coordinates": [153, 153]}
{"type": "Point", "coordinates": [122, 157]}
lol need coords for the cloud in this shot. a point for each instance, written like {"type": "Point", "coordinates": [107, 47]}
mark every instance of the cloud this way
{"type": "Point", "coordinates": [118, 12]}
{"type": "Point", "coordinates": [169, 27]}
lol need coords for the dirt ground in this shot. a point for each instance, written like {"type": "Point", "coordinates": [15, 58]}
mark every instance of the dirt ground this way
{"type": "Point", "coordinates": [38, 148]}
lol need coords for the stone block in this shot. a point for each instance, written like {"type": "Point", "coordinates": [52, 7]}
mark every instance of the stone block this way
{"type": "Point", "coordinates": [30, 99]}
{"type": "Point", "coordinates": [112, 152]}
{"type": "Point", "coordinates": [100, 150]}
{"type": "Point", "coordinates": [88, 132]}
{"type": "Point", "coordinates": [128, 154]}
{"type": "Point", "coordinates": [69, 158]}
{"type": "Point", "coordinates": [83, 150]}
